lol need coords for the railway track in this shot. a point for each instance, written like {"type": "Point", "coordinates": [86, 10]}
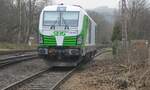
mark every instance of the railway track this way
{"type": "Point", "coordinates": [48, 79]}
{"type": "Point", "coordinates": [16, 59]}
{"type": "Point", "coordinates": [67, 76]}
{"type": "Point", "coordinates": [30, 83]}
{"type": "Point", "coordinates": [99, 52]}
{"type": "Point", "coordinates": [16, 51]}
{"type": "Point", "coordinates": [16, 84]}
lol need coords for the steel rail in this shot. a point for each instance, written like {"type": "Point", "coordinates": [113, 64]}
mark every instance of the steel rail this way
{"type": "Point", "coordinates": [16, 59]}
{"type": "Point", "coordinates": [29, 79]}
{"type": "Point", "coordinates": [16, 51]}
{"type": "Point", "coordinates": [32, 77]}
{"type": "Point", "coordinates": [37, 75]}
{"type": "Point", "coordinates": [65, 78]}
{"type": "Point", "coordinates": [69, 74]}
{"type": "Point", "coordinates": [101, 52]}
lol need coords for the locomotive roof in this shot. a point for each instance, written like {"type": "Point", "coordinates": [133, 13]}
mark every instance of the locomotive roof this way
{"type": "Point", "coordinates": [68, 8]}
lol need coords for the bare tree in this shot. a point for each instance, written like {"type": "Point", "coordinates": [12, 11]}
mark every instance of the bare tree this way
{"type": "Point", "coordinates": [19, 19]}
{"type": "Point", "coordinates": [104, 28]}
{"type": "Point", "coordinates": [139, 22]}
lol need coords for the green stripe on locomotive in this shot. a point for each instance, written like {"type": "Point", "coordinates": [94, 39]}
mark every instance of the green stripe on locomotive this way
{"type": "Point", "coordinates": [85, 29]}
{"type": "Point", "coordinates": [68, 40]}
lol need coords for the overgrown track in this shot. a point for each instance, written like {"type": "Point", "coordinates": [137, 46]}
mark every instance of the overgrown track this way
{"type": "Point", "coordinates": [16, 59]}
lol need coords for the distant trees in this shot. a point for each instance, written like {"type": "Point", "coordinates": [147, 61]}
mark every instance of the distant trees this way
{"type": "Point", "coordinates": [138, 24]}
{"type": "Point", "coordinates": [19, 19]}
{"type": "Point", "coordinates": [5, 18]}
{"type": "Point", "coordinates": [138, 19]}
{"type": "Point", "coordinates": [104, 28]}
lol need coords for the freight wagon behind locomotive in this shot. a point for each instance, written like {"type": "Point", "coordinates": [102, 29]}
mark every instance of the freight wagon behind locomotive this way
{"type": "Point", "coordinates": [66, 35]}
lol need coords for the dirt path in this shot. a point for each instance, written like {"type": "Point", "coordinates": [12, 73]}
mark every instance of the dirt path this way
{"type": "Point", "coordinates": [106, 73]}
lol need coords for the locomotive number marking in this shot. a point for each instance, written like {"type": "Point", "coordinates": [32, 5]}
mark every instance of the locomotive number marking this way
{"type": "Point", "coordinates": [59, 33]}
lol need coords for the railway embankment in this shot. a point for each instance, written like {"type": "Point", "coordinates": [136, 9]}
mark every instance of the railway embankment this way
{"type": "Point", "coordinates": [107, 73]}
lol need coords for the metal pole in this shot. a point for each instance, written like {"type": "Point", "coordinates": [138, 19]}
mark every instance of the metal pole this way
{"type": "Point", "coordinates": [124, 15]}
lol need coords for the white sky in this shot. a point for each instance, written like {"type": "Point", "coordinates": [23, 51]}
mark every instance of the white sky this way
{"type": "Point", "coordinates": [89, 4]}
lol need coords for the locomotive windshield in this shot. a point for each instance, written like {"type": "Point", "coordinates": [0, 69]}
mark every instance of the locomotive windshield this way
{"type": "Point", "coordinates": [69, 18]}
{"type": "Point", "coordinates": [51, 18]}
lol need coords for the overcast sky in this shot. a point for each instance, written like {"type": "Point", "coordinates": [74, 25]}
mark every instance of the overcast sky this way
{"type": "Point", "coordinates": [89, 4]}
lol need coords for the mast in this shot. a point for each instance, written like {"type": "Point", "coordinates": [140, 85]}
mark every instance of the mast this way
{"type": "Point", "coordinates": [124, 22]}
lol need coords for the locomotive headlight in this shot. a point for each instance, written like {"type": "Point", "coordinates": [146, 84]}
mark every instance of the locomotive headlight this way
{"type": "Point", "coordinates": [79, 40]}
{"type": "Point", "coordinates": [40, 39]}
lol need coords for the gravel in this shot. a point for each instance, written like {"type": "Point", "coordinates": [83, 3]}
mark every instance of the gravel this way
{"type": "Point", "coordinates": [44, 82]}
{"type": "Point", "coordinates": [20, 71]}
{"type": "Point", "coordinates": [96, 75]}
{"type": "Point", "coordinates": [108, 73]}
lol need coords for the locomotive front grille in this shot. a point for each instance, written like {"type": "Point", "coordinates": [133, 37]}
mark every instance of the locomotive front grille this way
{"type": "Point", "coordinates": [49, 40]}
{"type": "Point", "coordinates": [70, 41]}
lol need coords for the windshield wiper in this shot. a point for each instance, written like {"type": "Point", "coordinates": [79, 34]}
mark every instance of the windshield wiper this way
{"type": "Point", "coordinates": [66, 26]}
{"type": "Point", "coordinates": [53, 26]}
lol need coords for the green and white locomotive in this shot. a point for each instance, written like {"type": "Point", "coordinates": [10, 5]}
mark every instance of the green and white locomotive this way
{"type": "Point", "coordinates": [66, 34]}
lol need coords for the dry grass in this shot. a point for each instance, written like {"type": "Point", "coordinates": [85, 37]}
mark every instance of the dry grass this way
{"type": "Point", "coordinates": [107, 73]}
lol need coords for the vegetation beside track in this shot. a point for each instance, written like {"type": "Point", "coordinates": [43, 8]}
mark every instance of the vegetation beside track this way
{"type": "Point", "coordinates": [109, 73]}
